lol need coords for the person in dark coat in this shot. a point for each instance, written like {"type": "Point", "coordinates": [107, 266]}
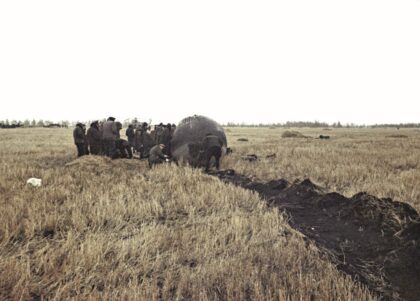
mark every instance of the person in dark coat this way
{"type": "Point", "coordinates": [124, 149]}
{"type": "Point", "coordinates": [101, 133]}
{"type": "Point", "coordinates": [212, 147]}
{"type": "Point", "coordinates": [159, 133]}
{"type": "Point", "coordinates": [94, 138]}
{"type": "Point", "coordinates": [110, 134]}
{"type": "Point", "coordinates": [86, 141]}
{"type": "Point", "coordinates": [143, 141]}
{"type": "Point", "coordinates": [153, 134]}
{"type": "Point", "coordinates": [130, 135]}
{"type": "Point", "coordinates": [137, 138]}
{"type": "Point", "coordinates": [147, 143]}
{"type": "Point", "coordinates": [119, 128]}
{"type": "Point", "coordinates": [166, 139]}
{"type": "Point", "coordinates": [79, 139]}
{"type": "Point", "coordinates": [156, 155]}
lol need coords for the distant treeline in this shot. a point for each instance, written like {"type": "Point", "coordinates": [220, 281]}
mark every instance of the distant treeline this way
{"type": "Point", "coordinates": [289, 124]}
{"type": "Point", "coordinates": [32, 123]}
{"type": "Point", "coordinates": [50, 124]}
{"type": "Point", "coordinates": [401, 125]}
{"type": "Point", "coordinates": [317, 124]}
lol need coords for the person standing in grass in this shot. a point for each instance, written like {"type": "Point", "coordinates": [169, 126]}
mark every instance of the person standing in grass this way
{"type": "Point", "coordinates": [94, 138]}
{"type": "Point", "coordinates": [212, 147]}
{"type": "Point", "coordinates": [110, 136]}
{"type": "Point", "coordinates": [143, 141]}
{"type": "Point", "coordinates": [80, 139]}
{"type": "Point", "coordinates": [130, 135]}
{"type": "Point", "coordinates": [166, 139]}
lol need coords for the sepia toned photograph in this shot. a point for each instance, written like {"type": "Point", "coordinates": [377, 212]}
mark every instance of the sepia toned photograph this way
{"type": "Point", "coordinates": [210, 150]}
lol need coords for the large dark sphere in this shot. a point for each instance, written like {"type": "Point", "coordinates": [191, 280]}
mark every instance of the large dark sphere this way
{"type": "Point", "coordinates": [188, 135]}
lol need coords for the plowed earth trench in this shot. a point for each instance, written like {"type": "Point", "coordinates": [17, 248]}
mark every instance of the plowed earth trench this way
{"type": "Point", "coordinates": [376, 241]}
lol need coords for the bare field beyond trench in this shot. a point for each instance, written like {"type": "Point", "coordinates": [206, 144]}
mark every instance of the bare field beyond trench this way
{"type": "Point", "coordinates": [102, 229]}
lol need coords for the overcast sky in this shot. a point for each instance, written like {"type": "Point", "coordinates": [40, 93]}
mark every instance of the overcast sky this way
{"type": "Point", "coordinates": [242, 61]}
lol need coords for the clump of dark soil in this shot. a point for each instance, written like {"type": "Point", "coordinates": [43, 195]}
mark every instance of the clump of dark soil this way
{"type": "Point", "coordinates": [377, 241]}
{"type": "Point", "coordinates": [243, 140]}
{"type": "Point", "coordinates": [250, 158]}
{"type": "Point", "coordinates": [397, 136]}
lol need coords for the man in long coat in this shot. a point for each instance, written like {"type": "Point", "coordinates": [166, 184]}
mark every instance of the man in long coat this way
{"type": "Point", "coordinates": [110, 136]}
{"type": "Point", "coordinates": [212, 147]}
{"type": "Point", "coordinates": [94, 138]}
{"type": "Point", "coordinates": [80, 139]}
{"type": "Point", "coordinates": [130, 135]}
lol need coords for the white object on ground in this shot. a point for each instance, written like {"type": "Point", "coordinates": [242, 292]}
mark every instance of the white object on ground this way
{"type": "Point", "coordinates": [34, 182]}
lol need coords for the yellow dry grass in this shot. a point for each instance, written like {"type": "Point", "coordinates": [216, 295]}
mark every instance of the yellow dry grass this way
{"type": "Point", "coordinates": [114, 230]}
{"type": "Point", "coordinates": [382, 162]}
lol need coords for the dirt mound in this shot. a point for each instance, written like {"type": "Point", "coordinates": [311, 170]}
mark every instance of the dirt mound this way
{"type": "Point", "coordinates": [102, 163]}
{"type": "Point", "coordinates": [90, 161]}
{"type": "Point", "coordinates": [377, 241]}
{"type": "Point", "coordinates": [292, 134]}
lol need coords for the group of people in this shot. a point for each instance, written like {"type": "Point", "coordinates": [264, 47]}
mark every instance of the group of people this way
{"type": "Point", "coordinates": [103, 138]}
{"type": "Point", "coordinates": [142, 138]}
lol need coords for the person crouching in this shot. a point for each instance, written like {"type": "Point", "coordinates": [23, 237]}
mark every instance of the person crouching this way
{"type": "Point", "coordinates": [156, 155]}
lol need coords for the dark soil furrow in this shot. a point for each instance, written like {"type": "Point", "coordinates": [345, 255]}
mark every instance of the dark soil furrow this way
{"type": "Point", "coordinates": [377, 241]}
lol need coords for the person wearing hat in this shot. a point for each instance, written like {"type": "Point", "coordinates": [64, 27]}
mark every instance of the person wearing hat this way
{"type": "Point", "coordinates": [166, 138]}
{"type": "Point", "coordinates": [130, 135]}
{"type": "Point", "coordinates": [143, 141]}
{"type": "Point", "coordinates": [156, 155]}
{"type": "Point", "coordinates": [80, 139]}
{"type": "Point", "coordinates": [94, 138]}
{"type": "Point", "coordinates": [119, 128]}
{"type": "Point", "coordinates": [147, 142]}
{"type": "Point", "coordinates": [110, 134]}
{"type": "Point", "coordinates": [137, 138]}
{"type": "Point", "coordinates": [159, 133]}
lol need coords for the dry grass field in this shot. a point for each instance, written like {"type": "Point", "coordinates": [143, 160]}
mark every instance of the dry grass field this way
{"type": "Point", "coordinates": [114, 230]}
{"type": "Point", "coordinates": [382, 162]}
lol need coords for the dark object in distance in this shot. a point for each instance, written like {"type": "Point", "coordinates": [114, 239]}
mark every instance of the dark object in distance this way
{"type": "Point", "coordinates": [52, 125]}
{"type": "Point", "coordinates": [229, 151]}
{"type": "Point", "coordinates": [271, 156]}
{"type": "Point", "coordinates": [324, 137]}
{"type": "Point", "coordinates": [250, 158]}
{"type": "Point", "coordinates": [243, 139]}
{"type": "Point", "coordinates": [397, 136]}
